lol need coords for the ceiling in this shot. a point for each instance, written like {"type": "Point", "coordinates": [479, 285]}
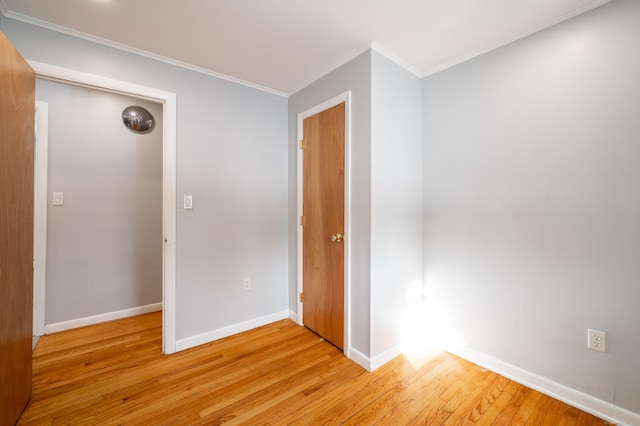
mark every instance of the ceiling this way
{"type": "Point", "coordinates": [283, 45]}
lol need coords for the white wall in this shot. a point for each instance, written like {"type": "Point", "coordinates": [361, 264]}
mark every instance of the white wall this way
{"type": "Point", "coordinates": [532, 211]}
{"type": "Point", "coordinates": [396, 201]}
{"type": "Point", "coordinates": [354, 76]}
{"type": "Point", "coordinates": [232, 157]}
{"type": "Point", "coordinates": [104, 246]}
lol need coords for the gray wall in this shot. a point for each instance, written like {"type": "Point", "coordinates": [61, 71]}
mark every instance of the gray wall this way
{"type": "Point", "coordinates": [104, 246]}
{"type": "Point", "coordinates": [354, 76]}
{"type": "Point", "coordinates": [386, 193]}
{"type": "Point", "coordinates": [232, 157]}
{"type": "Point", "coordinates": [531, 218]}
{"type": "Point", "coordinates": [531, 205]}
{"type": "Point", "coordinates": [396, 199]}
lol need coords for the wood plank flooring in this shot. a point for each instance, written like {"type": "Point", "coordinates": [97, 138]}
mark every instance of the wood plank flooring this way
{"type": "Point", "coordinates": [114, 373]}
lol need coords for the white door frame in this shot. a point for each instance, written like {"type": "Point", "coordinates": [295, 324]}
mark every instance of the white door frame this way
{"type": "Point", "coordinates": [41, 166]}
{"type": "Point", "coordinates": [169, 102]}
{"type": "Point", "coordinates": [346, 98]}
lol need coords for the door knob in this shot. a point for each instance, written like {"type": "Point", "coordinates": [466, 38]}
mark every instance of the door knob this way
{"type": "Point", "coordinates": [337, 238]}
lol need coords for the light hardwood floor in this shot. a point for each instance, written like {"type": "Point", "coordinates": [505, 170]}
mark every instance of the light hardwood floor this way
{"type": "Point", "coordinates": [114, 373]}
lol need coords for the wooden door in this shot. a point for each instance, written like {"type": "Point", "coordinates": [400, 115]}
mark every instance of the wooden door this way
{"type": "Point", "coordinates": [17, 110]}
{"type": "Point", "coordinates": [323, 226]}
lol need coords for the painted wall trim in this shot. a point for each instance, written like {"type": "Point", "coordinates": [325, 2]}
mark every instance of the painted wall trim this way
{"type": "Point", "coordinates": [135, 51]}
{"type": "Point", "coordinates": [372, 364]}
{"type": "Point", "coordinates": [97, 319]}
{"type": "Point", "coordinates": [40, 201]}
{"type": "Point", "coordinates": [511, 38]}
{"type": "Point", "coordinates": [373, 45]}
{"type": "Point", "coordinates": [230, 330]}
{"type": "Point", "coordinates": [361, 359]}
{"type": "Point", "coordinates": [386, 356]}
{"type": "Point", "coordinates": [346, 98]}
{"type": "Point", "coordinates": [169, 140]}
{"type": "Point", "coordinates": [169, 222]}
{"type": "Point", "coordinates": [573, 397]}
{"type": "Point", "coordinates": [293, 316]}
{"type": "Point", "coordinates": [393, 58]}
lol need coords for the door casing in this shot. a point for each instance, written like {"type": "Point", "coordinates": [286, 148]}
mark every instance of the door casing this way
{"type": "Point", "coordinates": [40, 197]}
{"type": "Point", "coordinates": [169, 102]}
{"type": "Point", "coordinates": [346, 98]}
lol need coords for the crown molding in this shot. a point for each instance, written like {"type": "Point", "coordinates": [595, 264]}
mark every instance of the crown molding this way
{"type": "Point", "coordinates": [511, 38]}
{"type": "Point", "coordinates": [393, 58]}
{"type": "Point", "coordinates": [135, 51]}
{"type": "Point", "coordinates": [373, 45]}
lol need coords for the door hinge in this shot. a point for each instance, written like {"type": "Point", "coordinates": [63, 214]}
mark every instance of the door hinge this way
{"type": "Point", "coordinates": [302, 220]}
{"type": "Point", "coordinates": [302, 144]}
{"type": "Point", "coordinates": [301, 297]}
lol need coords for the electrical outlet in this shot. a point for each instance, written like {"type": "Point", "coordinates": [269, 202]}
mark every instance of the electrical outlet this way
{"type": "Point", "coordinates": [596, 340]}
{"type": "Point", "coordinates": [246, 284]}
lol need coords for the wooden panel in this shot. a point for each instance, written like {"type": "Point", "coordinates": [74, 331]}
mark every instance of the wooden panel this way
{"type": "Point", "coordinates": [115, 373]}
{"type": "Point", "coordinates": [17, 110]}
{"type": "Point", "coordinates": [323, 209]}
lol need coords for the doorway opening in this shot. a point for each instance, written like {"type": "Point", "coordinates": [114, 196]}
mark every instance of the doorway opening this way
{"type": "Point", "coordinates": [167, 101]}
{"type": "Point", "coordinates": [339, 237]}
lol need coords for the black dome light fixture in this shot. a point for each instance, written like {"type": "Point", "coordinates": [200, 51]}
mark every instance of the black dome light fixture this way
{"type": "Point", "coordinates": [138, 119]}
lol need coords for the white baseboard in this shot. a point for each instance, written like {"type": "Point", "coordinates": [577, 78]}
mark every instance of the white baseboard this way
{"type": "Point", "coordinates": [230, 330]}
{"type": "Point", "coordinates": [97, 319]}
{"type": "Point", "coordinates": [573, 397]}
{"type": "Point", "coordinates": [386, 356]}
{"type": "Point", "coordinates": [293, 316]}
{"type": "Point", "coordinates": [359, 358]}
{"type": "Point", "coordinates": [371, 364]}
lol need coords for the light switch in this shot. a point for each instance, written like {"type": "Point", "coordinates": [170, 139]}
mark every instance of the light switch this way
{"type": "Point", "coordinates": [188, 202]}
{"type": "Point", "coordinates": [58, 198]}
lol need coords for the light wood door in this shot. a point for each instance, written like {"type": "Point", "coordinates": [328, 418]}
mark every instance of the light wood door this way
{"type": "Point", "coordinates": [323, 228]}
{"type": "Point", "coordinates": [17, 110]}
